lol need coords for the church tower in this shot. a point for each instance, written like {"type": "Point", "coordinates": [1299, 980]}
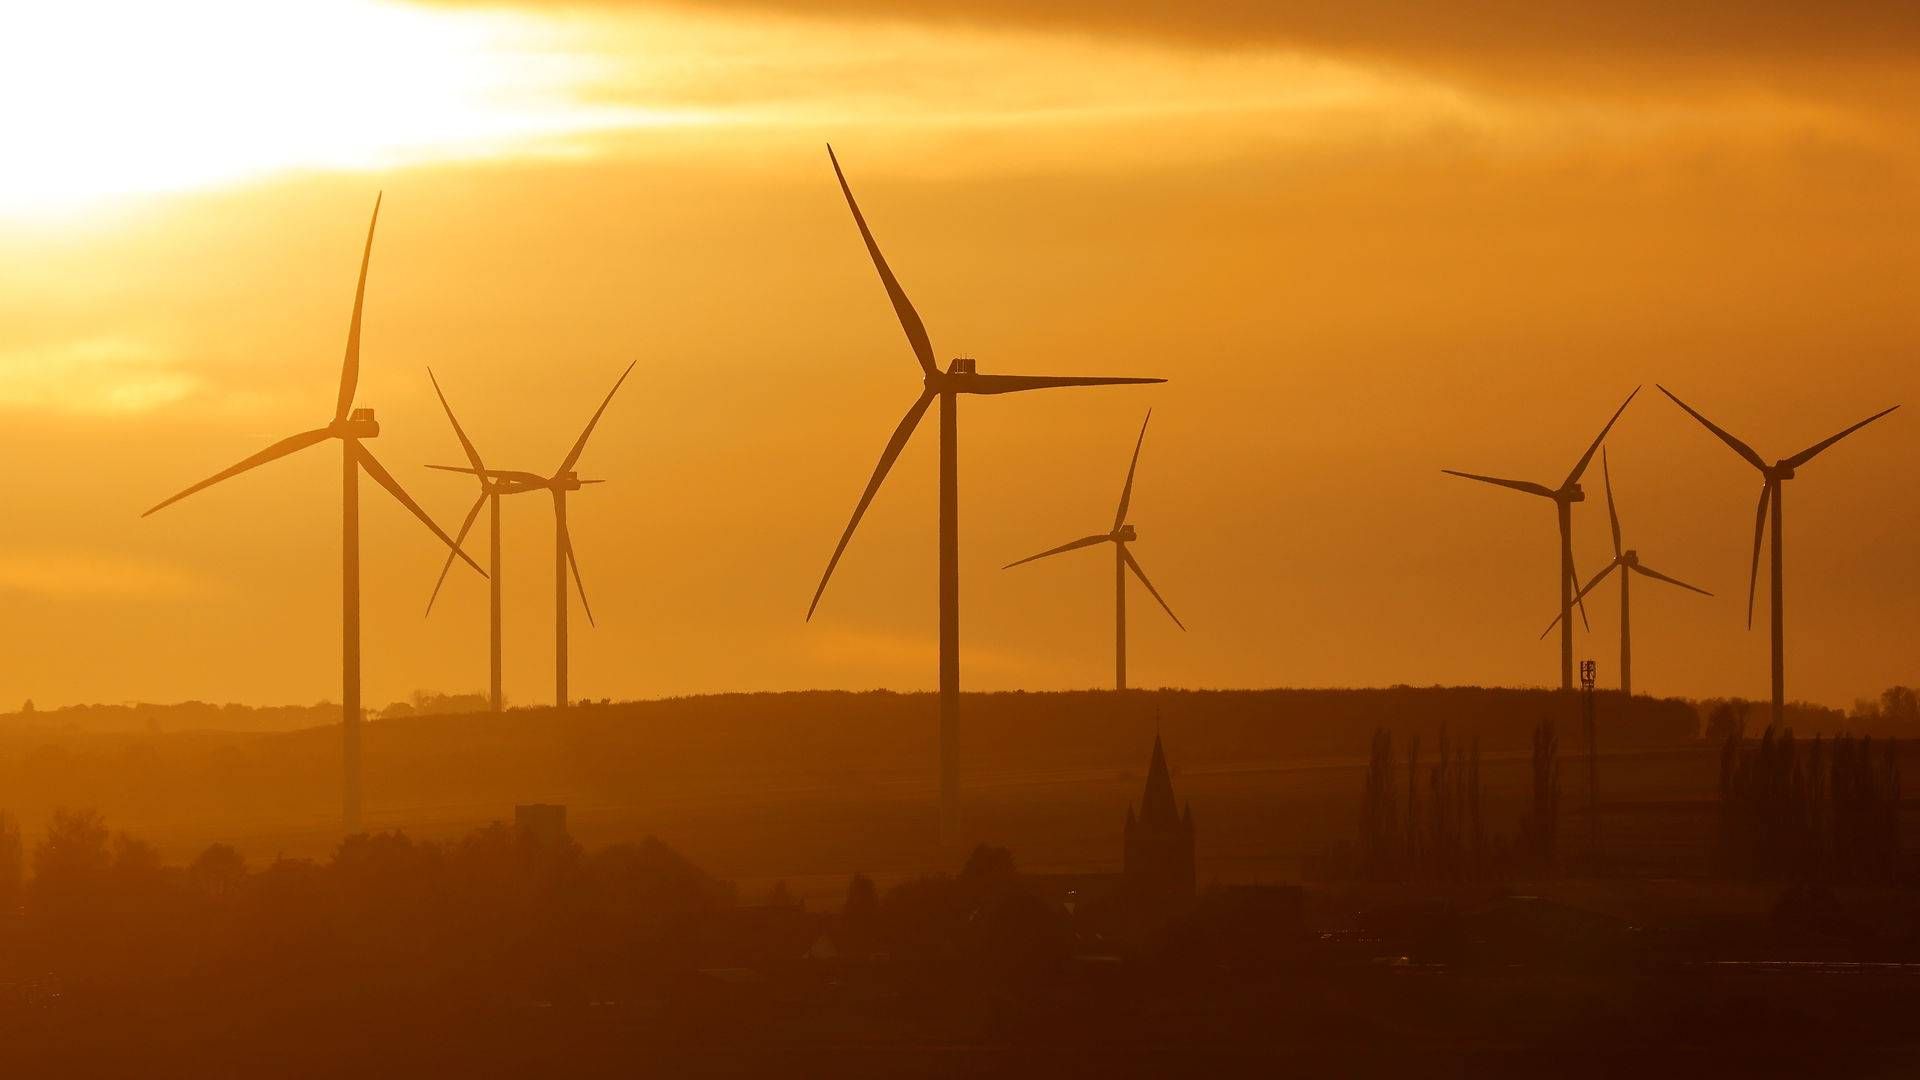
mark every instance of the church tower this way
{"type": "Point", "coordinates": [1159, 865]}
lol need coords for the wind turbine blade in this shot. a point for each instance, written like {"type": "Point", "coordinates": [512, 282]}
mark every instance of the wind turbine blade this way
{"type": "Point", "coordinates": [1013, 384]}
{"type": "Point", "coordinates": [578, 585]}
{"type": "Point", "coordinates": [1658, 576]}
{"type": "Point", "coordinates": [1581, 465]}
{"type": "Point", "coordinates": [1739, 447]}
{"type": "Point", "coordinates": [902, 307]}
{"type": "Point", "coordinates": [498, 474]}
{"type": "Point", "coordinates": [466, 444]}
{"type": "Point", "coordinates": [1808, 454]}
{"type": "Point", "coordinates": [458, 539]}
{"type": "Point", "coordinates": [1527, 486]}
{"type": "Point", "coordinates": [574, 456]}
{"type": "Point", "coordinates": [350, 369]}
{"type": "Point", "coordinates": [1759, 533]}
{"type": "Point", "coordinates": [1613, 516]}
{"type": "Point", "coordinates": [887, 456]}
{"type": "Point", "coordinates": [1597, 579]}
{"type": "Point", "coordinates": [1134, 566]}
{"type": "Point", "coordinates": [1126, 493]}
{"type": "Point", "coordinates": [385, 479]}
{"type": "Point", "coordinates": [277, 450]}
{"type": "Point", "coordinates": [1085, 541]}
{"type": "Point", "coordinates": [1573, 578]}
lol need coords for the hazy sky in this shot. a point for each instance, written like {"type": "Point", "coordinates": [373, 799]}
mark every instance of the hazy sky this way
{"type": "Point", "coordinates": [1361, 245]}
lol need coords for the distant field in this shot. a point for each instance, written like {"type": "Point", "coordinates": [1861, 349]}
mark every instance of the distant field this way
{"type": "Point", "coordinates": [813, 787]}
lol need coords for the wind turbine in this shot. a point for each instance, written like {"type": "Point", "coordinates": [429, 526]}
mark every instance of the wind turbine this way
{"type": "Point", "coordinates": [1773, 478]}
{"type": "Point", "coordinates": [959, 378]}
{"type": "Point", "coordinates": [496, 482]}
{"type": "Point", "coordinates": [490, 492]}
{"type": "Point", "coordinates": [1628, 563]}
{"type": "Point", "coordinates": [351, 426]}
{"type": "Point", "coordinates": [1563, 498]}
{"type": "Point", "coordinates": [1119, 536]}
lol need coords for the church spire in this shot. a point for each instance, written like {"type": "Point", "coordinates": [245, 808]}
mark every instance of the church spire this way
{"type": "Point", "coordinates": [1157, 804]}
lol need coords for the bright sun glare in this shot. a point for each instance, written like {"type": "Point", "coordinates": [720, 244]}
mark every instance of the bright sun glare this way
{"type": "Point", "coordinates": [113, 98]}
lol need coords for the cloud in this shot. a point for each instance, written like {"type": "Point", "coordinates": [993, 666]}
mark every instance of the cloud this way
{"type": "Point", "coordinates": [1635, 48]}
{"type": "Point", "coordinates": [102, 376]}
{"type": "Point", "coordinates": [1886, 30]}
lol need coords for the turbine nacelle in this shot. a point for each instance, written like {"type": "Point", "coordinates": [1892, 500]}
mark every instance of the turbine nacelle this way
{"type": "Point", "coordinates": [1781, 470]}
{"type": "Point", "coordinates": [566, 481]}
{"type": "Point", "coordinates": [1125, 534]}
{"type": "Point", "coordinates": [1630, 557]}
{"type": "Point", "coordinates": [960, 372]}
{"type": "Point", "coordinates": [360, 424]}
{"type": "Point", "coordinates": [1573, 493]}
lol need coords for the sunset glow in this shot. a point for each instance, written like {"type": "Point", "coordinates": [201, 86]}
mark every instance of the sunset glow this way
{"type": "Point", "coordinates": [1312, 229]}
{"type": "Point", "coordinates": [137, 98]}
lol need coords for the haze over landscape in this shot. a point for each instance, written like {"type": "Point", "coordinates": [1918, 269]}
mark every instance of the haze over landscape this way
{"type": "Point", "coordinates": [748, 743]}
{"type": "Point", "coordinates": [1359, 249]}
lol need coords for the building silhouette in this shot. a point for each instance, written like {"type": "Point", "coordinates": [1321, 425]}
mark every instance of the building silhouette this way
{"type": "Point", "coordinates": [1159, 868]}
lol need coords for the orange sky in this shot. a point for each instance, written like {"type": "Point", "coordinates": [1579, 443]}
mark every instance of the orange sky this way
{"type": "Point", "coordinates": [1361, 250]}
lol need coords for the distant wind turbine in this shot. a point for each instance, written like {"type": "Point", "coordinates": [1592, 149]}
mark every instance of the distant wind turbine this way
{"type": "Point", "coordinates": [496, 482]}
{"type": "Point", "coordinates": [1628, 563]}
{"type": "Point", "coordinates": [1119, 536]}
{"type": "Point", "coordinates": [959, 378]}
{"type": "Point", "coordinates": [1563, 498]}
{"type": "Point", "coordinates": [490, 492]}
{"type": "Point", "coordinates": [351, 426]}
{"type": "Point", "coordinates": [1773, 478]}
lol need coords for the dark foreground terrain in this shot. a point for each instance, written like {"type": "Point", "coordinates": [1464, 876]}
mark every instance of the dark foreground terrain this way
{"type": "Point", "coordinates": [753, 886]}
{"type": "Point", "coordinates": [1506, 992]}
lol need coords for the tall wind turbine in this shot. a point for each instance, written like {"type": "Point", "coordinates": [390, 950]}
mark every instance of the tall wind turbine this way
{"type": "Point", "coordinates": [1119, 536]}
{"type": "Point", "coordinates": [1563, 498]}
{"type": "Point", "coordinates": [959, 378]}
{"type": "Point", "coordinates": [352, 427]}
{"type": "Point", "coordinates": [496, 482]}
{"type": "Point", "coordinates": [490, 492]}
{"type": "Point", "coordinates": [1628, 563]}
{"type": "Point", "coordinates": [1772, 481]}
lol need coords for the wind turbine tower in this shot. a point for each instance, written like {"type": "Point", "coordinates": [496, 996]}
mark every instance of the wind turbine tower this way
{"type": "Point", "coordinates": [960, 378]}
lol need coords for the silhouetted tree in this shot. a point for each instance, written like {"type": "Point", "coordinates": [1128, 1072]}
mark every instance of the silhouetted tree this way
{"type": "Point", "coordinates": [1900, 708]}
{"type": "Point", "coordinates": [1830, 811]}
{"type": "Point", "coordinates": [863, 900]}
{"type": "Point", "coordinates": [218, 872]}
{"type": "Point", "coordinates": [13, 865]}
{"type": "Point", "coordinates": [1379, 817]}
{"type": "Point", "coordinates": [860, 917]}
{"type": "Point", "coordinates": [1540, 829]}
{"type": "Point", "coordinates": [987, 865]}
{"type": "Point", "coordinates": [1443, 806]}
{"type": "Point", "coordinates": [1475, 824]}
{"type": "Point", "coordinates": [1412, 851]}
{"type": "Point", "coordinates": [1454, 842]}
{"type": "Point", "coordinates": [1726, 720]}
{"type": "Point", "coordinates": [73, 860]}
